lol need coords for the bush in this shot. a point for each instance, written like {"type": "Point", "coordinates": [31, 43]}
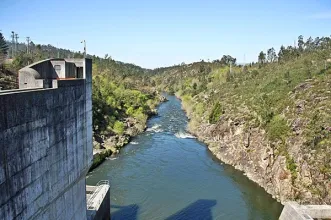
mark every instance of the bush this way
{"type": "Point", "coordinates": [199, 109]}
{"type": "Point", "coordinates": [215, 113]}
{"type": "Point", "coordinates": [140, 116]}
{"type": "Point", "coordinates": [277, 128]}
{"type": "Point", "coordinates": [118, 127]}
{"type": "Point", "coordinates": [130, 111]}
{"type": "Point", "coordinates": [291, 166]}
{"type": "Point", "coordinates": [255, 73]}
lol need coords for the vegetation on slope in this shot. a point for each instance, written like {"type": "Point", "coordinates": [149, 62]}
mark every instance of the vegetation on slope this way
{"type": "Point", "coordinates": [7, 77]}
{"type": "Point", "coordinates": [286, 95]}
{"type": "Point", "coordinates": [122, 101]}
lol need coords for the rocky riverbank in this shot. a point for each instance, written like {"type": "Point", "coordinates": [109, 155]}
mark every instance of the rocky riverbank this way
{"type": "Point", "coordinates": [109, 145]}
{"type": "Point", "coordinates": [294, 175]}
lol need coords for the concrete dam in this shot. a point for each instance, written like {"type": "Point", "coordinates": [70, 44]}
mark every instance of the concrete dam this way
{"type": "Point", "coordinates": [46, 144]}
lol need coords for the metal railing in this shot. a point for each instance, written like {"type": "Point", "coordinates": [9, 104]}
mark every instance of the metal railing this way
{"type": "Point", "coordinates": [91, 203]}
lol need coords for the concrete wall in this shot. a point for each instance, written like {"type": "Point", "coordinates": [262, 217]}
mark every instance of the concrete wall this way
{"type": "Point", "coordinates": [41, 74]}
{"type": "Point", "coordinates": [294, 211]}
{"type": "Point", "coordinates": [100, 209]}
{"type": "Point", "coordinates": [46, 149]}
{"type": "Point", "coordinates": [60, 73]}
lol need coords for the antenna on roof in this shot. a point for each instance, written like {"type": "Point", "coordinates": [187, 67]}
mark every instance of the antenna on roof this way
{"type": "Point", "coordinates": [83, 41]}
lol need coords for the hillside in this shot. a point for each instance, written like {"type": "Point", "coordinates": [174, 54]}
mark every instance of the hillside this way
{"type": "Point", "coordinates": [122, 103]}
{"type": "Point", "coordinates": [8, 78]}
{"type": "Point", "coordinates": [270, 119]}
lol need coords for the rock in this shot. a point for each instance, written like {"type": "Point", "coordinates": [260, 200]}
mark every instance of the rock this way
{"type": "Point", "coordinates": [303, 86]}
{"type": "Point", "coordinates": [163, 98]}
{"type": "Point", "coordinates": [300, 106]}
{"type": "Point", "coordinates": [297, 125]}
{"type": "Point", "coordinates": [96, 145]}
{"type": "Point", "coordinates": [250, 152]}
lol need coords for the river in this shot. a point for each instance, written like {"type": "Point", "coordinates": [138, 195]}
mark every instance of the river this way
{"type": "Point", "coordinates": [166, 174]}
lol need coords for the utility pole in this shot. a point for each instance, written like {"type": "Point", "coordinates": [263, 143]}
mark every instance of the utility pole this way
{"type": "Point", "coordinates": [84, 47]}
{"type": "Point", "coordinates": [28, 41]}
{"type": "Point", "coordinates": [16, 37]}
{"type": "Point", "coordinates": [12, 44]}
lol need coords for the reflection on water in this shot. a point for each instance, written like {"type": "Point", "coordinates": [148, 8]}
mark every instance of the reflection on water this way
{"type": "Point", "coordinates": [165, 173]}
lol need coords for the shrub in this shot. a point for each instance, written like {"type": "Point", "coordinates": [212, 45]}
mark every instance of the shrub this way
{"type": "Point", "coordinates": [255, 73]}
{"type": "Point", "coordinates": [277, 128]}
{"type": "Point", "coordinates": [199, 109]}
{"type": "Point", "coordinates": [140, 116]}
{"type": "Point", "coordinates": [291, 166]}
{"type": "Point", "coordinates": [118, 127]}
{"type": "Point", "coordinates": [130, 111]}
{"type": "Point", "coordinates": [215, 113]}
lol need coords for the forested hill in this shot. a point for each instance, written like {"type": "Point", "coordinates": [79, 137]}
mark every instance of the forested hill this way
{"type": "Point", "coordinates": [271, 119]}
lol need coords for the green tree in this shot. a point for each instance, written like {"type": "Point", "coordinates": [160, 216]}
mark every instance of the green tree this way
{"type": "Point", "coordinates": [281, 54]}
{"type": "Point", "coordinates": [309, 44]}
{"type": "Point", "coordinates": [3, 49]}
{"type": "Point", "coordinates": [272, 57]}
{"type": "Point", "coordinates": [301, 44]}
{"type": "Point", "coordinates": [215, 113]}
{"type": "Point", "coordinates": [119, 127]}
{"type": "Point", "coordinates": [227, 60]}
{"type": "Point", "coordinates": [262, 58]}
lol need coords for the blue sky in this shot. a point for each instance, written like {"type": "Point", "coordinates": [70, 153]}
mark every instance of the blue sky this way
{"type": "Point", "coordinates": [162, 33]}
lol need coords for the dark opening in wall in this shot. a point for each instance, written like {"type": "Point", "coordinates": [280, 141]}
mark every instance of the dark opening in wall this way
{"type": "Point", "coordinates": [79, 72]}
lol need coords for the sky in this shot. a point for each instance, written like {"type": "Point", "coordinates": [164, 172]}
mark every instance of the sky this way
{"type": "Point", "coordinates": [155, 33]}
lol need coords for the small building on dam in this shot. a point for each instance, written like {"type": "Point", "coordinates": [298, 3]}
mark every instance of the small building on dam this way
{"type": "Point", "coordinates": [46, 144]}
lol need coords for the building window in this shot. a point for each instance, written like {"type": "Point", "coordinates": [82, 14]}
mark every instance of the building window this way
{"type": "Point", "coordinates": [57, 68]}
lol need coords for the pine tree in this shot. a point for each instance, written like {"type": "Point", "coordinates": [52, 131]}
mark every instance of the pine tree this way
{"type": "Point", "coordinates": [3, 48]}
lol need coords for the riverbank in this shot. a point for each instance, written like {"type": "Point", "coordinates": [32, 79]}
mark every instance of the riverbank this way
{"type": "Point", "coordinates": [248, 149]}
{"type": "Point", "coordinates": [163, 175]}
{"type": "Point", "coordinates": [109, 145]}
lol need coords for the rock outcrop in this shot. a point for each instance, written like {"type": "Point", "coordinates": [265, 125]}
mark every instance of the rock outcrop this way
{"type": "Point", "coordinates": [293, 169]}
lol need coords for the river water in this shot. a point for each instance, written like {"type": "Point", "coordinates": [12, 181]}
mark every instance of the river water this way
{"type": "Point", "coordinates": [164, 173]}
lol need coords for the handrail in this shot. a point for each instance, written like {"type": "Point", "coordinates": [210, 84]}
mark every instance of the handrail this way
{"type": "Point", "coordinates": [99, 186]}
{"type": "Point", "coordinates": [103, 182]}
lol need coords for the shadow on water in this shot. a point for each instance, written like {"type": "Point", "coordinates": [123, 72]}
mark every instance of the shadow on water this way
{"type": "Point", "coordinates": [201, 209]}
{"type": "Point", "coordinates": [129, 212]}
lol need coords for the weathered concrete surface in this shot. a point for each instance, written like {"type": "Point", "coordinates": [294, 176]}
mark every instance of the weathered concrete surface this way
{"type": "Point", "coordinates": [294, 211]}
{"type": "Point", "coordinates": [46, 148]}
{"type": "Point", "coordinates": [98, 206]}
{"type": "Point", "coordinates": [41, 74]}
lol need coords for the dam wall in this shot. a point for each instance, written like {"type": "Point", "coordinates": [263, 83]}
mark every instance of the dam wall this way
{"type": "Point", "coordinates": [46, 141]}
